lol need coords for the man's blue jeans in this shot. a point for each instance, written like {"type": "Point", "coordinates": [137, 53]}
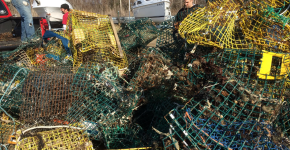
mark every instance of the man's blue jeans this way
{"type": "Point", "coordinates": [49, 34]}
{"type": "Point", "coordinates": [27, 27]}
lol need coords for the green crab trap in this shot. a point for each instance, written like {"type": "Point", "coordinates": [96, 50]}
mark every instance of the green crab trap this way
{"type": "Point", "coordinates": [149, 114]}
{"type": "Point", "coordinates": [47, 94]}
{"type": "Point", "coordinates": [153, 69]}
{"type": "Point", "coordinates": [136, 34]}
{"type": "Point", "coordinates": [282, 124]}
{"type": "Point", "coordinates": [102, 99]}
{"type": "Point", "coordinates": [224, 116]}
{"type": "Point", "coordinates": [169, 42]}
{"type": "Point", "coordinates": [12, 79]}
{"type": "Point", "coordinates": [122, 135]}
{"type": "Point", "coordinates": [264, 72]}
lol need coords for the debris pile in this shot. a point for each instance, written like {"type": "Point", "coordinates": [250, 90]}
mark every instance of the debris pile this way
{"type": "Point", "coordinates": [219, 80]}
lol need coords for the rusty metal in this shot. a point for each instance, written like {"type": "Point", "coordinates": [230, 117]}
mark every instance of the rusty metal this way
{"type": "Point", "coordinates": [47, 93]}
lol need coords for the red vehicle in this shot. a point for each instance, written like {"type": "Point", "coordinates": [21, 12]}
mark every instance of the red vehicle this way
{"type": "Point", "coordinates": [10, 24]}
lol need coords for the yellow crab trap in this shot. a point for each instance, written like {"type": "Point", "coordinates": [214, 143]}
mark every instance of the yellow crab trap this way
{"type": "Point", "coordinates": [58, 138]}
{"type": "Point", "coordinates": [266, 29]}
{"type": "Point", "coordinates": [94, 39]}
{"type": "Point", "coordinates": [214, 25]}
{"type": "Point", "coordinates": [7, 128]}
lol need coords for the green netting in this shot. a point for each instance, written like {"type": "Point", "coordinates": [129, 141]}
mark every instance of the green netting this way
{"type": "Point", "coordinates": [12, 79]}
{"type": "Point", "coordinates": [263, 72]}
{"type": "Point", "coordinates": [153, 69]}
{"type": "Point", "coordinates": [122, 135]}
{"type": "Point", "coordinates": [102, 99]}
{"type": "Point", "coordinates": [137, 34]}
{"type": "Point", "coordinates": [282, 124]}
{"type": "Point", "coordinates": [171, 43]}
{"type": "Point", "coordinates": [151, 109]}
{"type": "Point", "coordinates": [225, 116]}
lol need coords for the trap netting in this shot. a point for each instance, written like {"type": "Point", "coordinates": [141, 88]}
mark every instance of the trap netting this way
{"type": "Point", "coordinates": [103, 100]}
{"type": "Point", "coordinates": [214, 25]}
{"type": "Point", "coordinates": [47, 94]}
{"type": "Point", "coordinates": [266, 28]}
{"type": "Point", "coordinates": [12, 79]}
{"type": "Point", "coordinates": [17, 56]}
{"type": "Point", "coordinates": [224, 116]}
{"type": "Point", "coordinates": [52, 138]}
{"type": "Point", "coordinates": [169, 42]}
{"type": "Point", "coordinates": [149, 113]}
{"type": "Point", "coordinates": [7, 127]}
{"type": "Point", "coordinates": [94, 39]}
{"type": "Point", "coordinates": [153, 69]}
{"type": "Point", "coordinates": [265, 73]}
{"type": "Point", "coordinates": [11, 83]}
{"type": "Point", "coordinates": [137, 33]}
{"type": "Point", "coordinates": [282, 123]}
{"type": "Point", "coordinates": [122, 135]}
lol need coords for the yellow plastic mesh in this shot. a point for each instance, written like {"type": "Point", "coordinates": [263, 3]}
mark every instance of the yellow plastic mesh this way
{"type": "Point", "coordinates": [93, 40]}
{"type": "Point", "coordinates": [266, 30]}
{"type": "Point", "coordinates": [6, 128]}
{"type": "Point", "coordinates": [268, 3]}
{"type": "Point", "coordinates": [61, 138]}
{"type": "Point", "coordinates": [214, 25]}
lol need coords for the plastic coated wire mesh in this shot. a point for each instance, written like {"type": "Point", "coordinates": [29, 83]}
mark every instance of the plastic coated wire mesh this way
{"type": "Point", "coordinates": [267, 29]}
{"type": "Point", "coordinates": [265, 73]}
{"type": "Point", "coordinates": [282, 122]}
{"type": "Point", "coordinates": [170, 43]}
{"type": "Point", "coordinates": [153, 68]}
{"type": "Point", "coordinates": [150, 114]}
{"type": "Point", "coordinates": [102, 99]}
{"type": "Point", "coordinates": [213, 26]}
{"type": "Point", "coordinates": [123, 135]}
{"type": "Point", "coordinates": [12, 79]}
{"type": "Point", "coordinates": [137, 33]}
{"type": "Point", "coordinates": [93, 39]}
{"type": "Point", "coordinates": [7, 128]}
{"type": "Point", "coordinates": [47, 93]}
{"type": "Point", "coordinates": [227, 115]}
{"type": "Point", "coordinates": [60, 138]}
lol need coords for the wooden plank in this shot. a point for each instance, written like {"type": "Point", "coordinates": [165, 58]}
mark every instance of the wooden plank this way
{"type": "Point", "coordinates": [116, 37]}
{"type": "Point", "coordinates": [152, 43]}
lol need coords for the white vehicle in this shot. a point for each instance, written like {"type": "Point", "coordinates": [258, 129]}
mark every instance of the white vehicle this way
{"type": "Point", "coordinates": [157, 10]}
{"type": "Point", "coordinates": [51, 7]}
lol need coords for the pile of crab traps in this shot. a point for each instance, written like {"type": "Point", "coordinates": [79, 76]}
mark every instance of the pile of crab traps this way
{"type": "Point", "coordinates": [219, 80]}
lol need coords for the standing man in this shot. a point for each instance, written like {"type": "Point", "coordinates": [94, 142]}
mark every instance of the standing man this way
{"type": "Point", "coordinates": [27, 27]}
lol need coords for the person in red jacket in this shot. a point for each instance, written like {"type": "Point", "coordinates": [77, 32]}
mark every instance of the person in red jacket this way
{"type": "Point", "coordinates": [64, 9]}
{"type": "Point", "coordinates": [48, 34]}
